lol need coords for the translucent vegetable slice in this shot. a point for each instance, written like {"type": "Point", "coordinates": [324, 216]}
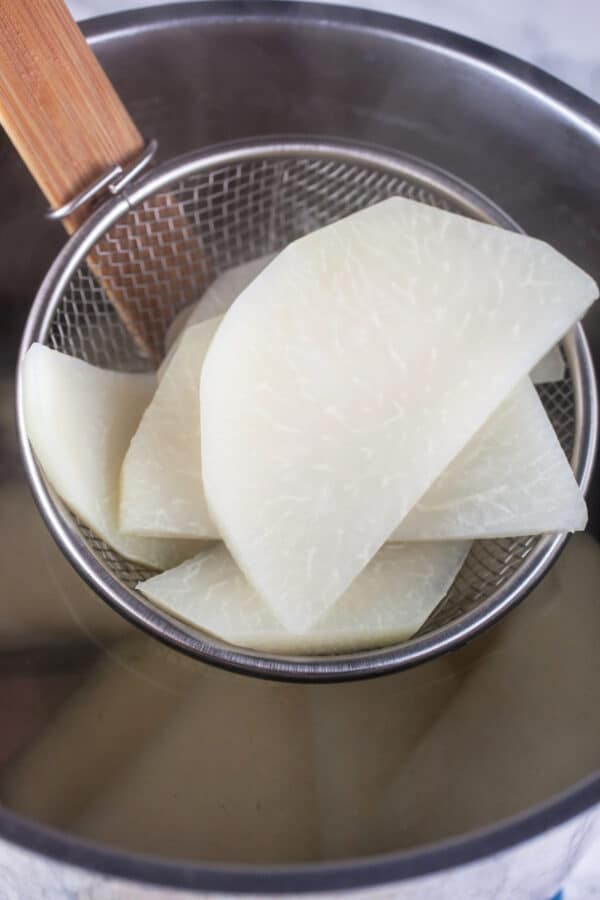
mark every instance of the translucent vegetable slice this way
{"type": "Point", "coordinates": [550, 368]}
{"type": "Point", "coordinates": [511, 479]}
{"type": "Point", "coordinates": [215, 301]}
{"type": "Point", "coordinates": [161, 480]}
{"type": "Point", "coordinates": [348, 375]}
{"type": "Point", "coordinates": [390, 600]}
{"type": "Point", "coordinates": [80, 420]}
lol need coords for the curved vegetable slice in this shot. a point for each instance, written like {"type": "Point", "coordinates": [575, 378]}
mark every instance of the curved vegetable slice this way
{"type": "Point", "coordinates": [349, 374]}
{"type": "Point", "coordinates": [511, 479]}
{"type": "Point", "coordinates": [80, 419]}
{"type": "Point", "coordinates": [215, 301]}
{"type": "Point", "coordinates": [551, 367]}
{"type": "Point", "coordinates": [388, 602]}
{"type": "Point", "coordinates": [161, 480]}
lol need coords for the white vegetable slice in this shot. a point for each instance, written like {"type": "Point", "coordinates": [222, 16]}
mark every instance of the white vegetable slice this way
{"type": "Point", "coordinates": [161, 480]}
{"type": "Point", "coordinates": [551, 368]}
{"type": "Point", "coordinates": [229, 284]}
{"type": "Point", "coordinates": [227, 287]}
{"type": "Point", "coordinates": [214, 302]}
{"type": "Point", "coordinates": [80, 420]}
{"type": "Point", "coordinates": [388, 602]}
{"type": "Point", "coordinates": [348, 375]}
{"type": "Point", "coordinates": [177, 327]}
{"type": "Point", "coordinates": [511, 479]}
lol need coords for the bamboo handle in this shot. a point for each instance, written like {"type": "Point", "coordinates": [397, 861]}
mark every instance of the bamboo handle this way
{"type": "Point", "coordinates": [69, 126]}
{"type": "Point", "coordinates": [56, 103]}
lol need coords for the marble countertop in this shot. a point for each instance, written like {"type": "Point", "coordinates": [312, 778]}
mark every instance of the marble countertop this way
{"type": "Point", "coordinates": [561, 36]}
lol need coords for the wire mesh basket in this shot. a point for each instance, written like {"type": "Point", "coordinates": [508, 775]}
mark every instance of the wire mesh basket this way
{"type": "Point", "coordinates": [239, 203]}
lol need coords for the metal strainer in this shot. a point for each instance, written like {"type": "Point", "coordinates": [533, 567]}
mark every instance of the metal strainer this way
{"type": "Point", "coordinates": [240, 202]}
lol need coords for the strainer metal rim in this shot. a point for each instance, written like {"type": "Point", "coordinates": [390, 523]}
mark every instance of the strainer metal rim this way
{"type": "Point", "coordinates": [173, 631]}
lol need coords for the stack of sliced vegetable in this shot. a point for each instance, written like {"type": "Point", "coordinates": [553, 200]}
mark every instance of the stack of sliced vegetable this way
{"type": "Point", "coordinates": [329, 431]}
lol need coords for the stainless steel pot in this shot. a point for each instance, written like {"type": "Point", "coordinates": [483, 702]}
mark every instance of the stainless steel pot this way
{"type": "Point", "coordinates": [120, 755]}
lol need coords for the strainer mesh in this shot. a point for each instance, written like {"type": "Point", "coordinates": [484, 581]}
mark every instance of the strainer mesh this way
{"type": "Point", "coordinates": [236, 212]}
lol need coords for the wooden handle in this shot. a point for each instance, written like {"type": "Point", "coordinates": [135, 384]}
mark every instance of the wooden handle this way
{"type": "Point", "coordinates": [69, 126]}
{"type": "Point", "coordinates": [56, 103]}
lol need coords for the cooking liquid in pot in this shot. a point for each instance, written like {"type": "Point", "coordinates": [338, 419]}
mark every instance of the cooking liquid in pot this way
{"type": "Point", "coordinates": [109, 735]}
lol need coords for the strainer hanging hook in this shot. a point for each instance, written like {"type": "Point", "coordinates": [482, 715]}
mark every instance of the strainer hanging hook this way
{"type": "Point", "coordinates": [113, 180]}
